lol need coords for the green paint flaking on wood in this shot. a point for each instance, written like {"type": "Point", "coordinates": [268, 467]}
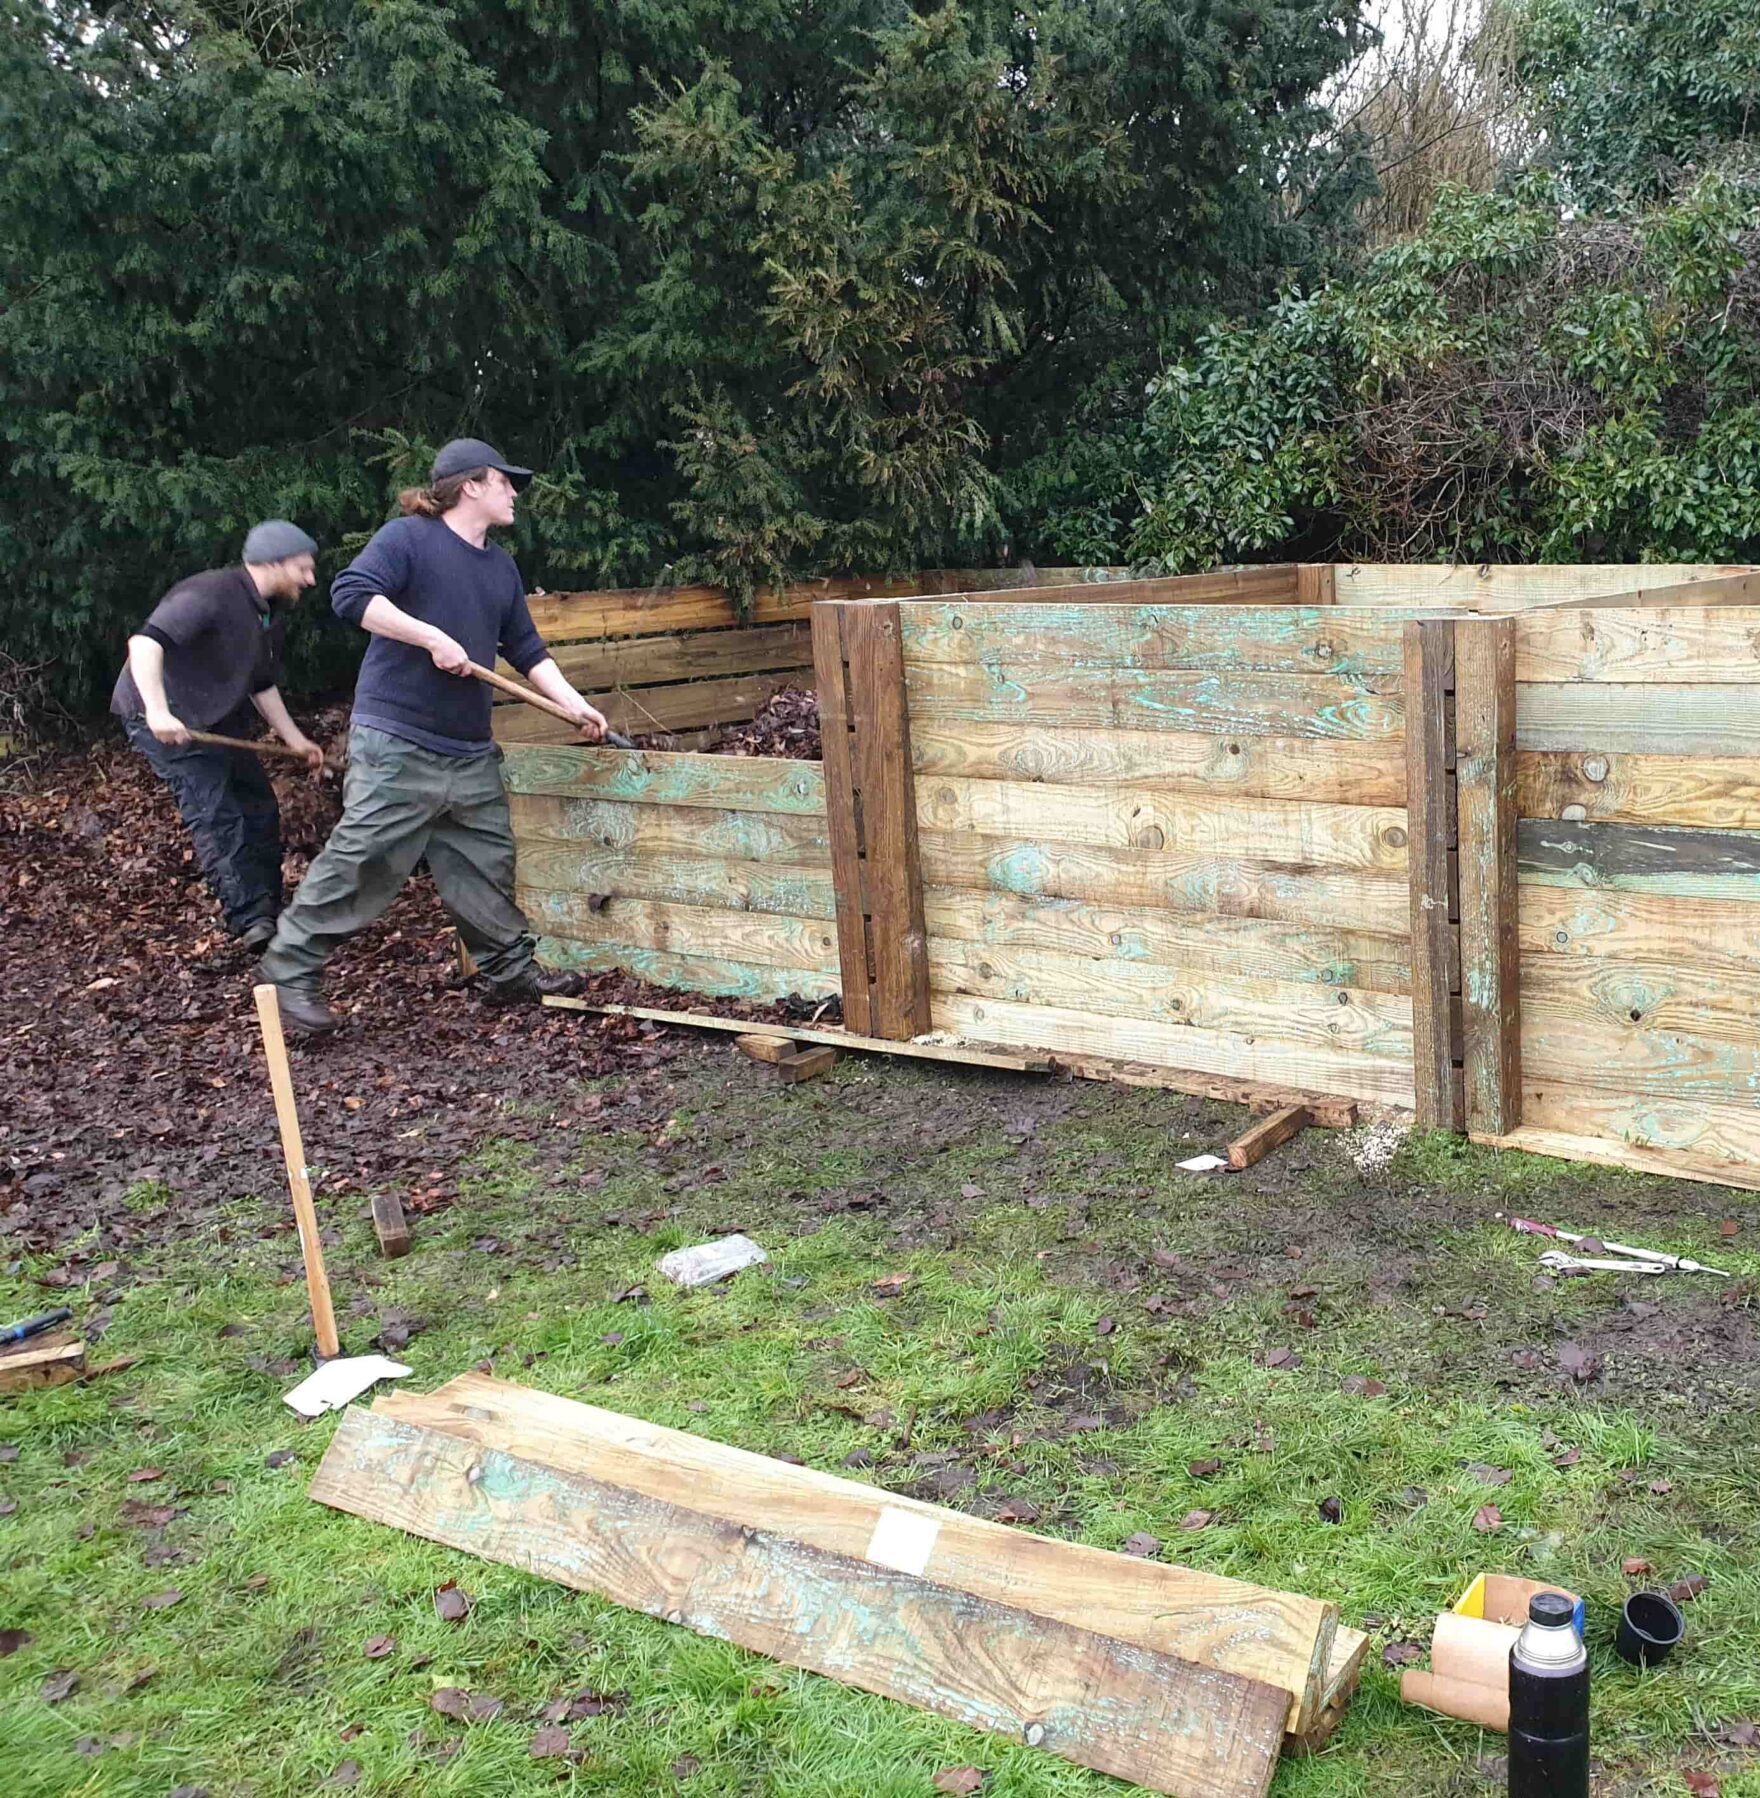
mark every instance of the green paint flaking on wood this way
{"type": "Point", "coordinates": [680, 879]}
{"type": "Point", "coordinates": [1023, 869]}
{"type": "Point", "coordinates": [692, 973]}
{"type": "Point", "coordinates": [652, 777]}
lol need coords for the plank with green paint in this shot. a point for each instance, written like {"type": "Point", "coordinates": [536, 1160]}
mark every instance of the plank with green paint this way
{"type": "Point", "coordinates": [778, 839]}
{"type": "Point", "coordinates": [1679, 1138]}
{"type": "Point", "coordinates": [1721, 792]}
{"type": "Point", "coordinates": [649, 661]}
{"type": "Point", "coordinates": [1163, 1723]}
{"type": "Point", "coordinates": [1219, 639]}
{"type": "Point", "coordinates": [1348, 898]}
{"type": "Point", "coordinates": [685, 930]}
{"type": "Point", "coordinates": [682, 879]}
{"type": "Point", "coordinates": [1061, 1029]}
{"type": "Point", "coordinates": [1314, 768]}
{"type": "Point", "coordinates": [1679, 994]}
{"type": "Point", "coordinates": [737, 783]}
{"type": "Point", "coordinates": [1640, 858]}
{"type": "Point", "coordinates": [1573, 1042]}
{"type": "Point", "coordinates": [1638, 718]}
{"type": "Point", "coordinates": [692, 973]}
{"type": "Point", "coordinates": [1276, 705]}
{"type": "Point", "coordinates": [1619, 925]}
{"type": "Point", "coordinates": [1246, 948]}
{"type": "Point", "coordinates": [1364, 1023]}
{"type": "Point", "coordinates": [1296, 832]}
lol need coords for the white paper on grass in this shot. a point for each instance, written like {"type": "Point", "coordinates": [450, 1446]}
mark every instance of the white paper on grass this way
{"type": "Point", "coordinates": [706, 1262]}
{"type": "Point", "coordinates": [341, 1382]}
{"type": "Point", "coordinates": [1203, 1164]}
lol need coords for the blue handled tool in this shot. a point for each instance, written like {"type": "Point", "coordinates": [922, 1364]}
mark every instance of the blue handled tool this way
{"type": "Point", "coordinates": [33, 1326]}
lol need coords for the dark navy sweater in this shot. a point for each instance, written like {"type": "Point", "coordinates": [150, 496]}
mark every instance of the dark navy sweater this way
{"type": "Point", "coordinates": [474, 595]}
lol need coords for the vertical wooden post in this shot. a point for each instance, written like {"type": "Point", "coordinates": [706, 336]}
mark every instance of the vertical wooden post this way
{"type": "Point", "coordinates": [870, 795]}
{"type": "Point", "coordinates": [1485, 729]}
{"type": "Point", "coordinates": [1431, 839]}
{"type": "Point", "coordinates": [1315, 585]}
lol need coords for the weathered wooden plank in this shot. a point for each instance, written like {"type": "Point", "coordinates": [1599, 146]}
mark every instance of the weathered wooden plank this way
{"type": "Point", "coordinates": [1298, 832]}
{"type": "Point", "coordinates": [1676, 645]}
{"type": "Point", "coordinates": [648, 709]}
{"type": "Point", "coordinates": [1102, 1703]}
{"type": "Point", "coordinates": [1716, 1061]}
{"type": "Point", "coordinates": [1058, 1030]}
{"type": "Point", "coordinates": [1258, 1140]}
{"type": "Point", "coordinates": [1327, 1112]}
{"type": "Point", "coordinates": [1567, 919]}
{"type": "Point", "coordinates": [1638, 718]}
{"type": "Point", "coordinates": [1248, 948]}
{"type": "Point", "coordinates": [1435, 905]}
{"type": "Point", "coordinates": [1685, 993]}
{"type": "Point", "coordinates": [741, 783]}
{"type": "Point", "coordinates": [1644, 858]}
{"type": "Point", "coordinates": [778, 839]}
{"type": "Point", "coordinates": [651, 661]}
{"type": "Point", "coordinates": [1485, 730]}
{"type": "Point", "coordinates": [1281, 1638]}
{"type": "Point", "coordinates": [887, 821]}
{"type": "Point", "coordinates": [1277, 705]}
{"type": "Point", "coordinates": [52, 1360]}
{"type": "Point", "coordinates": [685, 930]}
{"type": "Point", "coordinates": [1267, 1011]}
{"type": "Point", "coordinates": [1312, 768]}
{"type": "Point", "coordinates": [1683, 1140]}
{"type": "Point", "coordinates": [967, 1054]}
{"type": "Point", "coordinates": [831, 665]}
{"type": "Point", "coordinates": [1722, 792]}
{"type": "Point", "coordinates": [1510, 587]}
{"type": "Point", "coordinates": [1348, 898]}
{"type": "Point", "coordinates": [1265, 584]}
{"type": "Point", "coordinates": [1718, 590]}
{"type": "Point", "coordinates": [551, 867]}
{"type": "Point", "coordinates": [1316, 584]}
{"type": "Point", "coordinates": [1219, 639]}
{"type": "Point", "coordinates": [689, 973]}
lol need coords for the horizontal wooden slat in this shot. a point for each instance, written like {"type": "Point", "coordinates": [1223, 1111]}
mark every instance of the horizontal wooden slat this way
{"type": "Point", "coordinates": [1256, 1011]}
{"type": "Point", "coordinates": [652, 709]}
{"type": "Point", "coordinates": [556, 867]}
{"type": "Point", "coordinates": [1511, 587]}
{"type": "Point", "coordinates": [1715, 864]}
{"type": "Point", "coordinates": [1638, 718]}
{"type": "Point", "coordinates": [1246, 948]}
{"type": "Point", "coordinates": [1675, 645]}
{"type": "Point", "coordinates": [1569, 919]}
{"type": "Point", "coordinates": [1377, 903]}
{"type": "Point", "coordinates": [1277, 705]}
{"type": "Point", "coordinates": [1682, 1140]}
{"type": "Point", "coordinates": [643, 611]}
{"type": "Point", "coordinates": [1296, 832]}
{"type": "Point", "coordinates": [1715, 1061]}
{"type": "Point", "coordinates": [1274, 583]}
{"type": "Point", "coordinates": [713, 931]}
{"type": "Point", "coordinates": [1721, 792]}
{"type": "Point", "coordinates": [691, 973]}
{"type": "Point", "coordinates": [644, 661]}
{"type": "Point", "coordinates": [779, 839]}
{"type": "Point", "coordinates": [741, 783]}
{"type": "Point", "coordinates": [1678, 994]}
{"type": "Point", "coordinates": [1218, 639]}
{"type": "Point", "coordinates": [1212, 1052]}
{"type": "Point", "coordinates": [1315, 768]}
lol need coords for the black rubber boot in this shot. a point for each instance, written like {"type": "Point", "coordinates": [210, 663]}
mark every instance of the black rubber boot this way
{"type": "Point", "coordinates": [534, 986]}
{"type": "Point", "coordinates": [304, 1014]}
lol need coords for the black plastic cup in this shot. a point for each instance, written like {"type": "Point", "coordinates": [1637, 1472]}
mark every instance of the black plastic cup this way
{"type": "Point", "coordinates": [1649, 1628]}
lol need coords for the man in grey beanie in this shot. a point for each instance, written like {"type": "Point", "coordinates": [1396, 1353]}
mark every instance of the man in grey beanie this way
{"type": "Point", "coordinates": [208, 659]}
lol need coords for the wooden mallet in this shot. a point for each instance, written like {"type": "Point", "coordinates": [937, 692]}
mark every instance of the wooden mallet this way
{"type": "Point", "coordinates": [298, 1180]}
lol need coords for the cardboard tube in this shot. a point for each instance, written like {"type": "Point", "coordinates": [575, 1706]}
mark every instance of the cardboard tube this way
{"type": "Point", "coordinates": [1483, 1705]}
{"type": "Point", "coordinates": [1470, 1649]}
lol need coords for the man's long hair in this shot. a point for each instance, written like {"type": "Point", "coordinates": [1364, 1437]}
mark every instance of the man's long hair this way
{"type": "Point", "coordinates": [438, 497]}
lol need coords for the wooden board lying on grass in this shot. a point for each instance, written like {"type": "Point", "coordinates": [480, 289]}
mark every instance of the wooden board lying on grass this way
{"type": "Point", "coordinates": [49, 1360]}
{"type": "Point", "coordinates": [1100, 1702]}
{"type": "Point", "coordinates": [1281, 1638]}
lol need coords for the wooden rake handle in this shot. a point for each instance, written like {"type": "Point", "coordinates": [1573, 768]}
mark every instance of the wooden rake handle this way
{"type": "Point", "coordinates": [257, 746]}
{"type": "Point", "coordinates": [514, 690]}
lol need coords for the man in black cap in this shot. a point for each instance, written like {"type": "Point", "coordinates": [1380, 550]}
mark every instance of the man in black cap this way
{"type": "Point", "coordinates": [210, 653]}
{"type": "Point", "coordinates": [424, 775]}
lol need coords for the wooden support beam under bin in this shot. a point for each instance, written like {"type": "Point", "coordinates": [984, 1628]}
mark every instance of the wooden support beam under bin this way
{"type": "Point", "coordinates": [1485, 759]}
{"type": "Point", "coordinates": [1432, 838]}
{"type": "Point", "coordinates": [872, 818]}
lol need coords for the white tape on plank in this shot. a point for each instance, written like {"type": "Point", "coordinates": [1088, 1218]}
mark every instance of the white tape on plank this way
{"type": "Point", "coordinates": [903, 1540]}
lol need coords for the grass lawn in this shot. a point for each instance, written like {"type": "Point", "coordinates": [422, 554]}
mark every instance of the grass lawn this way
{"type": "Point", "coordinates": [1082, 1323]}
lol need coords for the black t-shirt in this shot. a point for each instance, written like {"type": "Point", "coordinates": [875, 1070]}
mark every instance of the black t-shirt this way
{"type": "Point", "coordinates": [222, 643]}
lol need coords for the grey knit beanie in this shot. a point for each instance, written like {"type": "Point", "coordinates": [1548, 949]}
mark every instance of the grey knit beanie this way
{"type": "Point", "coordinates": [274, 540]}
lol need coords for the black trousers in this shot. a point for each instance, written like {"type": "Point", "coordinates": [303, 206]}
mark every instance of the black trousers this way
{"type": "Point", "coordinates": [228, 805]}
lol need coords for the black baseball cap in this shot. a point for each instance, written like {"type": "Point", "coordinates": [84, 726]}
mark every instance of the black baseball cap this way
{"type": "Point", "coordinates": [463, 455]}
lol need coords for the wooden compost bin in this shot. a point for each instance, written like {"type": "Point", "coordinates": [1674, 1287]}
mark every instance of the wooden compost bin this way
{"type": "Point", "coordinates": [1217, 833]}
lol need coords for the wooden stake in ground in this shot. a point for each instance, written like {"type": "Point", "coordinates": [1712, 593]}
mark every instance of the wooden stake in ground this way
{"type": "Point", "coordinates": [287, 1116]}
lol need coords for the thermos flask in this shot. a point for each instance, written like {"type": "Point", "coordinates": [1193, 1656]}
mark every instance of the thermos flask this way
{"type": "Point", "coordinates": [1549, 1704]}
